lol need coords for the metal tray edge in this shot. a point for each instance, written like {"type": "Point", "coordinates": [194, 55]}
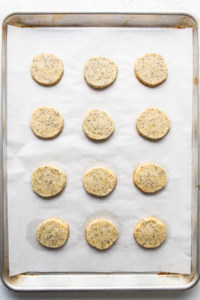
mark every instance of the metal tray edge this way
{"type": "Point", "coordinates": [5, 279]}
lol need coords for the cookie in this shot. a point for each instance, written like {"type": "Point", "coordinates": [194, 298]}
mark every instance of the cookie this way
{"type": "Point", "coordinates": [153, 124]}
{"type": "Point", "coordinates": [150, 232]}
{"type": "Point", "coordinates": [53, 233]}
{"type": "Point", "coordinates": [100, 181]}
{"type": "Point", "coordinates": [151, 69]}
{"type": "Point", "coordinates": [101, 234]}
{"type": "Point", "coordinates": [149, 178]}
{"type": "Point", "coordinates": [48, 181]}
{"type": "Point", "coordinates": [98, 125]}
{"type": "Point", "coordinates": [47, 122]}
{"type": "Point", "coordinates": [100, 72]}
{"type": "Point", "coordinates": [47, 69]}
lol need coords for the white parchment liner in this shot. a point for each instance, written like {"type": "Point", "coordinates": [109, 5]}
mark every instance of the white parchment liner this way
{"type": "Point", "coordinates": [75, 153]}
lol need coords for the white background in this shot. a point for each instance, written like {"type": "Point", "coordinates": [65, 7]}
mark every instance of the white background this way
{"type": "Point", "coordinates": [112, 5]}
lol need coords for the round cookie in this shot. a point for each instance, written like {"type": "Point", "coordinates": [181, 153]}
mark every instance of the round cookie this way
{"type": "Point", "coordinates": [150, 232]}
{"type": "Point", "coordinates": [53, 233]}
{"type": "Point", "coordinates": [48, 181]}
{"type": "Point", "coordinates": [47, 69]}
{"type": "Point", "coordinates": [100, 72]}
{"type": "Point", "coordinates": [47, 122]}
{"type": "Point", "coordinates": [149, 178]}
{"type": "Point", "coordinates": [153, 124]}
{"type": "Point", "coordinates": [101, 234]}
{"type": "Point", "coordinates": [151, 69]}
{"type": "Point", "coordinates": [100, 181]}
{"type": "Point", "coordinates": [98, 125]}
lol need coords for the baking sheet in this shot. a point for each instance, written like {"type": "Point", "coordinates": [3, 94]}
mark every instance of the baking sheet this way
{"type": "Point", "coordinates": [75, 153]}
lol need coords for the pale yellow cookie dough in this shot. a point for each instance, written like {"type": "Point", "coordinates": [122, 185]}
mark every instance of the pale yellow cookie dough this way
{"type": "Point", "coordinates": [47, 122]}
{"type": "Point", "coordinates": [150, 232]}
{"type": "Point", "coordinates": [99, 181]}
{"type": "Point", "coordinates": [53, 233]}
{"type": "Point", "coordinates": [151, 69]}
{"type": "Point", "coordinates": [149, 178]}
{"type": "Point", "coordinates": [101, 233]}
{"type": "Point", "coordinates": [100, 72]}
{"type": "Point", "coordinates": [98, 125]}
{"type": "Point", "coordinates": [47, 69]}
{"type": "Point", "coordinates": [48, 181]}
{"type": "Point", "coordinates": [153, 124]}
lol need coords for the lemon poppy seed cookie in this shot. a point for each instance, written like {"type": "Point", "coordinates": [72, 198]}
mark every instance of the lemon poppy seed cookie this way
{"type": "Point", "coordinates": [149, 178]}
{"type": "Point", "coordinates": [48, 181]}
{"type": "Point", "coordinates": [153, 124]}
{"type": "Point", "coordinates": [47, 69]}
{"type": "Point", "coordinates": [53, 233]}
{"type": "Point", "coordinates": [98, 125]}
{"type": "Point", "coordinates": [151, 69]}
{"type": "Point", "coordinates": [100, 72]}
{"type": "Point", "coordinates": [101, 233]}
{"type": "Point", "coordinates": [100, 181]}
{"type": "Point", "coordinates": [150, 232]}
{"type": "Point", "coordinates": [47, 122]}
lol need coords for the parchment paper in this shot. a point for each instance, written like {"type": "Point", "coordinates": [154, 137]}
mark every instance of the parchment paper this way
{"type": "Point", "coordinates": [75, 153]}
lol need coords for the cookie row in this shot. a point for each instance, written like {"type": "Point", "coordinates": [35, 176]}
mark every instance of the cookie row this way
{"type": "Point", "coordinates": [101, 233]}
{"type": "Point", "coordinates": [99, 72]}
{"type": "Point", "coordinates": [47, 123]}
{"type": "Point", "coordinates": [48, 181]}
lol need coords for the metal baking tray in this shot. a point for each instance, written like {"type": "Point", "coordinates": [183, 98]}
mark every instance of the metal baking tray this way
{"type": "Point", "coordinates": [101, 281]}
